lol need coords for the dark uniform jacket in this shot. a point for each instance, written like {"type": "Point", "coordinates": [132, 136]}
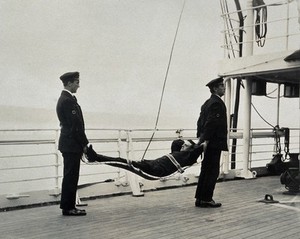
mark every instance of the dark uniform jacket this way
{"type": "Point", "coordinates": [212, 123]}
{"type": "Point", "coordinates": [72, 136]}
{"type": "Point", "coordinates": [162, 167]}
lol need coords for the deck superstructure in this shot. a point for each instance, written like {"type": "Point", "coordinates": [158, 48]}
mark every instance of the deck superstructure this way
{"type": "Point", "coordinates": [261, 47]}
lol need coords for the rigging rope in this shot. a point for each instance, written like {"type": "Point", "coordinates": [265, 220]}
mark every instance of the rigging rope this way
{"type": "Point", "coordinates": [165, 81]}
{"type": "Point", "coordinates": [230, 32]}
{"type": "Point", "coordinates": [228, 23]}
{"type": "Point", "coordinates": [261, 116]}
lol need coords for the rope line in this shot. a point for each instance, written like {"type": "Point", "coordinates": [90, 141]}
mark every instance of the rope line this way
{"type": "Point", "coordinates": [261, 116]}
{"type": "Point", "coordinates": [228, 23]}
{"type": "Point", "coordinates": [165, 81]}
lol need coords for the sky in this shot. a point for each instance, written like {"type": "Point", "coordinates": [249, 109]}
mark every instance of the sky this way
{"type": "Point", "coordinates": [122, 50]}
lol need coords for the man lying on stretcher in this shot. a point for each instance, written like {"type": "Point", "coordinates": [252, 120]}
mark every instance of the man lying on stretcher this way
{"type": "Point", "coordinates": [183, 154]}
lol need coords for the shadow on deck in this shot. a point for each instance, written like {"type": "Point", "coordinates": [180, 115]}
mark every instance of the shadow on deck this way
{"type": "Point", "coordinates": [169, 214]}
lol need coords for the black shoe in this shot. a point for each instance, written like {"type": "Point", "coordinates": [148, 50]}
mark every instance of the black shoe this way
{"type": "Point", "coordinates": [82, 210]}
{"type": "Point", "coordinates": [211, 203]}
{"type": "Point", "coordinates": [90, 154]}
{"type": "Point", "coordinates": [74, 212]}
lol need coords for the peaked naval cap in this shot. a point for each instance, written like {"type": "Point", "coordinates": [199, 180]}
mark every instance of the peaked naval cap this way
{"type": "Point", "coordinates": [69, 76]}
{"type": "Point", "coordinates": [215, 82]}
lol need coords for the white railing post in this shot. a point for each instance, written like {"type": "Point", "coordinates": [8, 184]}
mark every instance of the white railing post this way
{"type": "Point", "coordinates": [278, 104]}
{"type": "Point", "coordinates": [120, 152]}
{"type": "Point", "coordinates": [56, 190]}
{"type": "Point", "coordinates": [132, 178]}
{"type": "Point", "coordinates": [228, 108]}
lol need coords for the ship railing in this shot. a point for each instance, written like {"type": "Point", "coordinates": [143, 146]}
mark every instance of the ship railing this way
{"type": "Point", "coordinates": [279, 21]}
{"type": "Point", "coordinates": [30, 160]}
{"type": "Point", "coordinates": [263, 147]}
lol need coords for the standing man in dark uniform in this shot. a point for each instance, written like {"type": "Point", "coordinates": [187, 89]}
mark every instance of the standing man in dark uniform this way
{"type": "Point", "coordinates": [72, 142]}
{"type": "Point", "coordinates": [212, 134]}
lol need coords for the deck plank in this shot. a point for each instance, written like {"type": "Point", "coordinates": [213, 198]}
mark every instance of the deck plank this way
{"type": "Point", "coordinates": [168, 214]}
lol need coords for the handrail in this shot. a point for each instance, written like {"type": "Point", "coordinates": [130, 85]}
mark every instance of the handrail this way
{"type": "Point", "coordinates": [17, 161]}
{"type": "Point", "coordinates": [286, 32]}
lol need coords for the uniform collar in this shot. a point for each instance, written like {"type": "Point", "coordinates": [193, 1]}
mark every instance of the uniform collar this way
{"type": "Point", "coordinates": [217, 96]}
{"type": "Point", "coordinates": [68, 92]}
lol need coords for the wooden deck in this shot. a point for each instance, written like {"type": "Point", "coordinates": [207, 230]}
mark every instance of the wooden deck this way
{"type": "Point", "coordinates": [168, 214]}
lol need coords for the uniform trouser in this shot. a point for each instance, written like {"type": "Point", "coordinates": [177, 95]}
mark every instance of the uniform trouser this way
{"type": "Point", "coordinates": [210, 169]}
{"type": "Point", "coordinates": [152, 167]}
{"type": "Point", "coordinates": [70, 180]}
